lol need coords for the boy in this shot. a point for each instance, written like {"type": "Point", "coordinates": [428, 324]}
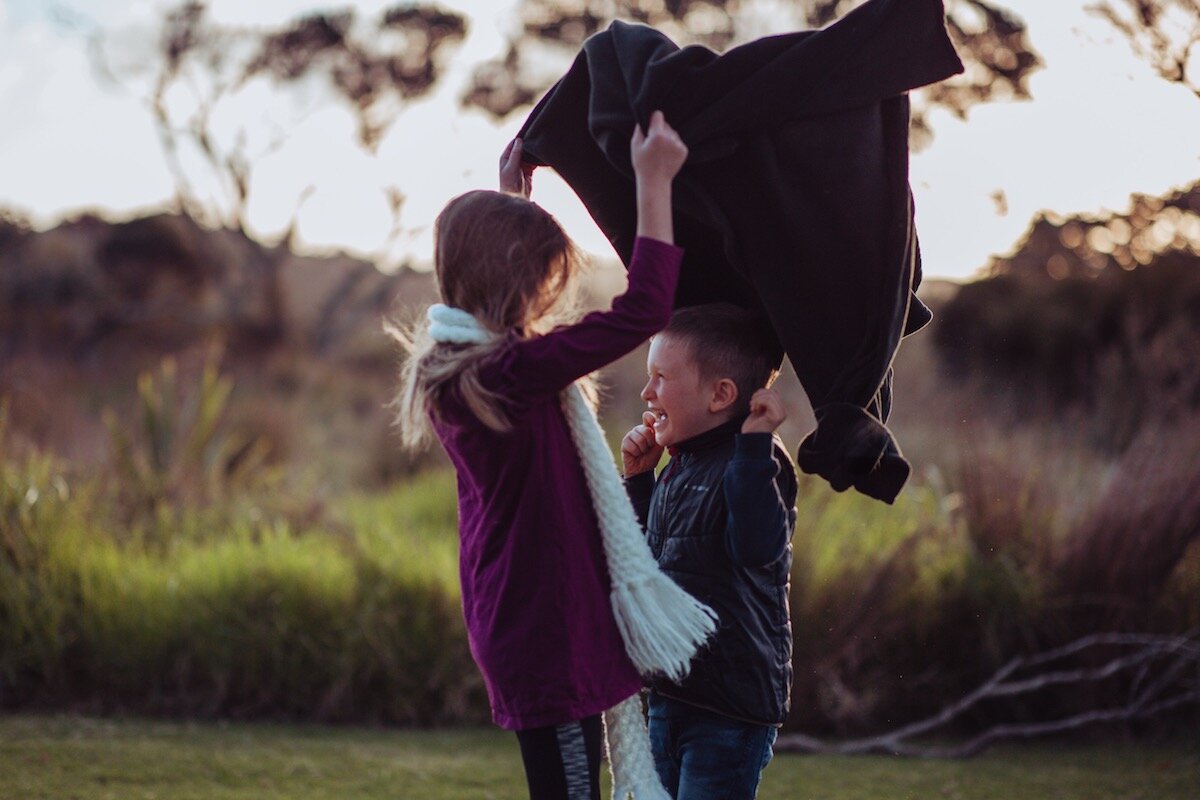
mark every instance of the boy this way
{"type": "Point", "coordinates": [719, 520]}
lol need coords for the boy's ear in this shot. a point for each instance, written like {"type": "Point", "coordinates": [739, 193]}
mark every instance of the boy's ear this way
{"type": "Point", "coordinates": [725, 394]}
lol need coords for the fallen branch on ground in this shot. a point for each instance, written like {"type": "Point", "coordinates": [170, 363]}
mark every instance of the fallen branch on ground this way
{"type": "Point", "coordinates": [1160, 685]}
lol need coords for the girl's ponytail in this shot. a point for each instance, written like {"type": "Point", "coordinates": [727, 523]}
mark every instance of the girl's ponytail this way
{"type": "Point", "coordinates": [432, 369]}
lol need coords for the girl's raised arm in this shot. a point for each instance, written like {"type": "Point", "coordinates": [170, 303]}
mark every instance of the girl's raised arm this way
{"type": "Point", "coordinates": [657, 157]}
{"type": "Point", "coordinates": [550, 363]}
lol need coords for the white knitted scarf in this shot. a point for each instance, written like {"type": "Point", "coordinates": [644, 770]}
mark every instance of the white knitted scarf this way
{"type": "Point", "coordinates": [661, 624]}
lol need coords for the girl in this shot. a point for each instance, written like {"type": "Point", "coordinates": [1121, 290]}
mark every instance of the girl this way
{"type": "Point", "coordinates": [536, 555]}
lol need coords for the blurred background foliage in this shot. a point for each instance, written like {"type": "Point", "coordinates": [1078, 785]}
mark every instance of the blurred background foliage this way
{"type": "Point", "coordinates": [204, 510]}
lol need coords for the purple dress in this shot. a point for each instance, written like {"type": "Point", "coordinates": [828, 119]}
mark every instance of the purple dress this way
{"type": "Point", "coordinates": [535, 586]}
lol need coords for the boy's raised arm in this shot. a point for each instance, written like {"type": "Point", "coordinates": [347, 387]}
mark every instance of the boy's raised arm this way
{"type": "Point", "coordinates": [760, 517]}
{"type": "Point", "coordinates": [760, 495]}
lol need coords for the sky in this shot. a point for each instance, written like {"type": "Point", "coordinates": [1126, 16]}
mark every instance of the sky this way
{"type": "Point", "coordinates": [1101, 126]}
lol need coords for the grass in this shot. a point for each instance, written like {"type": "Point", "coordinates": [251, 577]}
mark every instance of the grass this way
{"type": "Point", "coordinates": [358, 619]}
{"type": "Point", "coordinates": [70, 758]}
{"type": "Point", "coordinates": [354, 617]}
{"type": "Point", "coordinates": [180, 581]}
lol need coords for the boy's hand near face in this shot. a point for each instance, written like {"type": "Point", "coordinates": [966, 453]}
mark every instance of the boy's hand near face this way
{"type": "Point", "coordinates": [640, 451]}
{"type": "Point", "coordinates": [766, 412]}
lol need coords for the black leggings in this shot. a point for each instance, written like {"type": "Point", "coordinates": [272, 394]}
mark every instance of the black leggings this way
{"type": "Point", "coordinates": [562, 762]}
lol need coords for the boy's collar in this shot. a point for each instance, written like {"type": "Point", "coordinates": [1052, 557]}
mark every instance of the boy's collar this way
{"type": "Point", "coordinates": [710, 437]}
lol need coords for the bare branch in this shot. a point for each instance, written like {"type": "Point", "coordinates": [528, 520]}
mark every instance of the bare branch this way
{"type": "Point", "coordinates": [1145, 699]}
{"type": "Point", "coordinates": [199, 64]}
{"type": "Point", "coordinates": [1163, 33]}
{"type": "Point", "coordinates": [994, 44]}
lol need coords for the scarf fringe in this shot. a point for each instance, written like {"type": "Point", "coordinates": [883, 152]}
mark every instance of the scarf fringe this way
{"type": "Point", "coordinates": [629, 758]}
{"type": "Point", "coordinates": [661, 624]}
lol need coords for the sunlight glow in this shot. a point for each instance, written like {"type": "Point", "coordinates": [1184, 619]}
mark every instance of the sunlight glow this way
{"type": "Point", "coordinates": [1081, 146]}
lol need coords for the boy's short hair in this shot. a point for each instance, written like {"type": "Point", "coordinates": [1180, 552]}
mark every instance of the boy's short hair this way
{"type": "Point", "coordinates": [728, 341]}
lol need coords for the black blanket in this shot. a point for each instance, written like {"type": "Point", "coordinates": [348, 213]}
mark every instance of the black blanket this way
{"type": "Point", "coordinates": [794, 199]}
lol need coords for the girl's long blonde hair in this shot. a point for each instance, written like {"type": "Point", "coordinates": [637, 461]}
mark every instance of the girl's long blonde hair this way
{"type": "Point", "coordinates": [503, 259]}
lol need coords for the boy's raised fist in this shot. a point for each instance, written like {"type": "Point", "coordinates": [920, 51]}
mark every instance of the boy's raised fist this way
{"type": "Point", "coordinates": [767, 412]}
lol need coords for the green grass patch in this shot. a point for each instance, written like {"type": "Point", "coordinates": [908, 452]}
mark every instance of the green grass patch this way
{"type": "Point", "coordinates": [356, 618]}
{"type": "Point", "coordinates": [352, 614]}
{"type": "Point", "coordinates": [44, 758]}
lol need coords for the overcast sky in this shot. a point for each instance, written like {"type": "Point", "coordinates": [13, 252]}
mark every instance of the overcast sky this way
{"type": "Point", "coordinates": [1101, 126]}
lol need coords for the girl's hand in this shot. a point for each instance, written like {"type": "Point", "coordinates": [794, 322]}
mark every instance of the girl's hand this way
{"type": "Point", "coordinates": [766, 412]}
{"type": "Point", "coordinates": [515, 177]}
{"type": "Point", "coordinates": [639, 449]}
{"type": "Point", "coordinates": [658, 153]}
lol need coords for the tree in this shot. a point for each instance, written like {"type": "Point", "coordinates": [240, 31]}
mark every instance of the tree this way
{"type": "Point", "coordinates": [376, 65]}
{"type": "Point", "coordinates": [994, 44]}
{"type": "Point", "coordinates": [199, 66]}
{"type": "Point", "coordinates": [1163, 33]}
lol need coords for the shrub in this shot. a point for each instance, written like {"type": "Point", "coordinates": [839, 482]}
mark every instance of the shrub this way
{"type": "Point", "coordinates": [1031, 541]}
{"type": "Point", "coordinates": [1115, 344]}
{"type": "Point", "coordinates": [228, 598]}
{"type": "Point", "coordinates": [260, 622]}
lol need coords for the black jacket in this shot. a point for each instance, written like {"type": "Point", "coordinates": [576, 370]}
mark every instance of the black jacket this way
{"type": "Point", "coordinates": [794, 199]}
{"type": "Point", "coordinates": [719, 521]}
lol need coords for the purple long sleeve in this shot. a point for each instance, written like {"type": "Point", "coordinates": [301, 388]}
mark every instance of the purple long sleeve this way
{"type": "Point", "coordinates": [548, 364]}
{"type": "Point", "coordinates": [535, 585]}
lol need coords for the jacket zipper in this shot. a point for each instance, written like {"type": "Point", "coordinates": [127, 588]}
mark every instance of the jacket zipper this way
{"type": "Point", "coordinates": [659, 529]}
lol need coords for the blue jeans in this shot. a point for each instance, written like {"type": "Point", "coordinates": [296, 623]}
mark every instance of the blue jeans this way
{"type": "Point", "coordinates": [701, 755]}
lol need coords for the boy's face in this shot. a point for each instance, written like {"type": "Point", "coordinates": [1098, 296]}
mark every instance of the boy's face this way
{"type": "Point", "coordinates": [684, 403]}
